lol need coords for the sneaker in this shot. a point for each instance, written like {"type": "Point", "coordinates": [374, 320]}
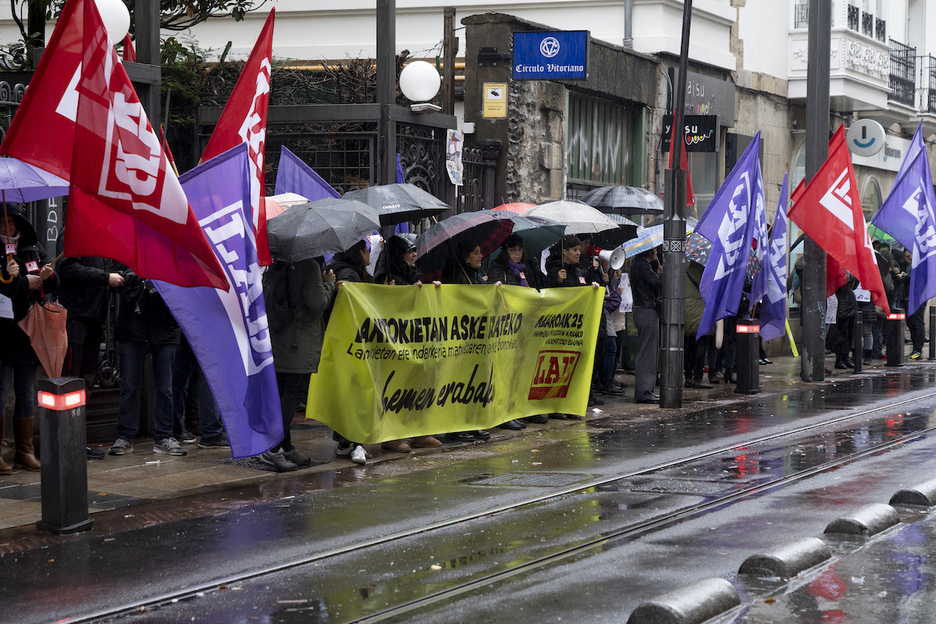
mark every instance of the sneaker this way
{"type": "Point", "coordinates": [220, 441]}
{"type": "Point", "coordinates": [278, 460]}
{"type": "Point", "coordinates": [297, 458]}
{"type": "Point", "coordinates": [120, 447]}
{"type": "Point", "coordinates": [343, 450]}
{"type": "Point", "coordinates": [169, 446]}
{"type": "Point", "coordinates": [184, 438]}
{"type": "Point", "coordinates": [916, 355]}
{"type": "Point", "coordinates": [359, 455]}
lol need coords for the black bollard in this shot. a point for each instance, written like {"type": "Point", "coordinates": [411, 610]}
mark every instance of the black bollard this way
{"type": "Point", "coordinates": [859, 341]}
{"type": "Point", "coordinates": [747, 357]}
{"type": "Point", "coordinates": [932, 343]}
{"type": "Point", "coordinates": [62, 440]}
{"type": "Point", "coordinates": [894, 332]}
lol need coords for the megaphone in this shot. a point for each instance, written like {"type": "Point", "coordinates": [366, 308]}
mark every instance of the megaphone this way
{"type": "Point", "coordinates": [614, 257]}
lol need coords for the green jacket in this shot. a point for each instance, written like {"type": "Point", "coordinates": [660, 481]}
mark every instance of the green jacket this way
{"type": "Point", "coordinates": [695, 306]}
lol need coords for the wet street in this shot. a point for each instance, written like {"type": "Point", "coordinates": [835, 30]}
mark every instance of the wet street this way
{"type": "Point", "coordinates": [575, 524]}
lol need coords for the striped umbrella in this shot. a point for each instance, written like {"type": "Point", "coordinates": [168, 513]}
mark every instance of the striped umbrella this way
{"type": "Point", "coordinates": [647, 239]}
{"type": "Point", "coordinates": [436, 246]}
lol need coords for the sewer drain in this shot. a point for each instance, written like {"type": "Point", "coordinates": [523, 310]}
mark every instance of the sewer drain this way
{"type": "Point", "coordinates": [676, 486]}
{"type": "Point", "coordinates": [530, 479]}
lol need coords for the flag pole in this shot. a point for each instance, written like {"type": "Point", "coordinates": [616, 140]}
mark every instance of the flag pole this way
{"type": "Point", "coordinates": [812, 311]}
{"type": "Point", "coordinates": [6, 223]}
{"type": "Point", "coordinates": [672, 353]}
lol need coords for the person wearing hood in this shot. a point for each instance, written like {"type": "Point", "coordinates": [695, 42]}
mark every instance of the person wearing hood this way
{"type": "Point", "coordinates": [647, 284]}
{"type": "Point", "coordinates": [397, 262]}
{"type": "Point", "coordinates": [26, 278]}
{"type": "Point", "coordinates": [350, 266]}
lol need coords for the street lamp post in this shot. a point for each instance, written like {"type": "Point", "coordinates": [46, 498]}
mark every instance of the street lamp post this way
{"type": "Point", "coordinates": [812, 362]}
{"type": "Point", "coordinates": [672, 353]}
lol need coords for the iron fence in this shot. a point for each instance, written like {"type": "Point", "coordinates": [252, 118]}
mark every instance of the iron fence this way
{"type": "Point", "coordinates": [902, 73]}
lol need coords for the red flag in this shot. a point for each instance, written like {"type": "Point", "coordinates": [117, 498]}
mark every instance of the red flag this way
{"type": "Point", "coordinates": [124, 203]}
{"type": "Point", "coordinates": [836, 275]}
{"type": "Point", "coordinates": [43, 131]}
{"type": "Point", "coordinates": [690, 196]}
{"type": "Point", "coordinates": [244, 120]}
{"type": "Point", "coordinates": [129, 52]}
{"type": "Point", "coordinates": [829, 212]}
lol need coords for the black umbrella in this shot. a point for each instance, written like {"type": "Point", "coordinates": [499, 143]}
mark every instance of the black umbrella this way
{"type": "Point", "coordinates": [321, 227]}
{"type": "Point", "coordinates": [624, 200]}
{"type": "Point", "coordinates": [398, 203]}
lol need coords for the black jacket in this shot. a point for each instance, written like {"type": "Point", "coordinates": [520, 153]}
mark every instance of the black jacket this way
{"type": "Point", "coordinates": [14, 343]}
{"type": "Point", "coordinates": [84, 287]}
{"type": "Point", "coordinates": [143, 315]}
{"type": "Point", "coordinates": [646, 284]}
{"type": "Point", "coordinates": [501, 272]}
{"type": "Point", "coordinates": [554, 264]}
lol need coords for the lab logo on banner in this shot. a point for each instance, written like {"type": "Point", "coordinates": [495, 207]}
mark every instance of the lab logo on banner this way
{"type": "Point", "coordinates": [554, 372]}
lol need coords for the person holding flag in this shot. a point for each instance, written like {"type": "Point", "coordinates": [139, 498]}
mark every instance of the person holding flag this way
{"type": "Point", "coordinates": [733, 222]}
{"type": "Point", "coordinates": [909, 215]}
{"type": "Point", "coordinates": [82, 120]}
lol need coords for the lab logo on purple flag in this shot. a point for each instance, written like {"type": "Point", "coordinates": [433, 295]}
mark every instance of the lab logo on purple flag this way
{"type": "Point", "coordinates": [730, 223]}
{"type": "Point", "coordinates": [773, 280]}
{"type": "Point", "coordinates": [228, 330]}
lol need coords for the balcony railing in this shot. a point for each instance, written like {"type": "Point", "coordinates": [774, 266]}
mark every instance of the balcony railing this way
{"type": "Point", "coordinates": [902, 73]}
{"type": "Point", "coordinates": [853, 13]}
{"type": "Point", "coordinates": [801, 16]}
{"type": "Point", "coordinates": [867, 24]}
{"type": "Point", "coordinates": [928, 75]}
{"type": "Point", "coordinates": [880, 29]}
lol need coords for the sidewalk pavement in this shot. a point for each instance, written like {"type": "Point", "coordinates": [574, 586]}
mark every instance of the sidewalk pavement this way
{"type": "Point", "coordinates": [143, 487]}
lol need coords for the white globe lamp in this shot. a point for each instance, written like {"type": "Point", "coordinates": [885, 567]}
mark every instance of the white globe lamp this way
{"type": "Point", "coordinates": [420, 82]}
{"type": "Point", "coordinates": [116, 18]}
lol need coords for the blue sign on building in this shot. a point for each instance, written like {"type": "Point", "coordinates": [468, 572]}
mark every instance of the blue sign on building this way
{"type": "Point", "coordinates": [557, 55]}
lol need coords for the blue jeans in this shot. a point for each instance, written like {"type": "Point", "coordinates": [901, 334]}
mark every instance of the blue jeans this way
{"type": "Point", "coordinates": [208, 413]}
{"type": "Point", "coordinates": [23, 379]}
{"type": "Point", "coordinates": [132, 357]}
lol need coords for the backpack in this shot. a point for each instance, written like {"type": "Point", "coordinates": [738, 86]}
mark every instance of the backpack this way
{"type": "Point", "coordinates": [275, 281]}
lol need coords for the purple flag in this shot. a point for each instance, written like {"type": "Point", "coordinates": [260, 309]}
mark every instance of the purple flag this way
{"type": "Point", "coordinates": [772, 280]}
{"type": "Point", "coordinates": [294, 176]}
{"type": "Point", "coordinates": [228, 330]}
{"type": "Point", "coordinates": [909, 215]}
{"type": "Point", "coordinates": [729, 223]}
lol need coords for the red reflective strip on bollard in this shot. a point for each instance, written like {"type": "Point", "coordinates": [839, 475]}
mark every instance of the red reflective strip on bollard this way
{"type": "Point", "coordinates": [61, 402]}
{"type": "Point", "coordinates": [748, 329]}
{"type": "Point", "coordinates": [896, 316]}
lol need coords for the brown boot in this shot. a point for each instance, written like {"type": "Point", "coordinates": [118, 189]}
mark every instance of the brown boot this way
{"type": "Point", "coordinates": [25, 455]}
{"type": "Point", "coordinates": [4, 467]}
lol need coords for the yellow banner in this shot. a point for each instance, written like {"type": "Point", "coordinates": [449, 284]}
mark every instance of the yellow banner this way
{"type": "Point", "coordinates": [404, 361]}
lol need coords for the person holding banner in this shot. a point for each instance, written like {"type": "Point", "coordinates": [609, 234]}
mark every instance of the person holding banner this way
{"type": "Point", "coordinates": [29, 279]}
{"type": "Point", "coordinates": [350, 266]}
{"type": "Point", "coordinates": [464, 268]}
{"type": "Point", "coordinates": [397, 262]}
{"type": "Point", "coordinates": [647, 285]}
{"type": "Point", "coordinates": [297, 347]}
{"type": "Point", "coordinates": [396, 266]}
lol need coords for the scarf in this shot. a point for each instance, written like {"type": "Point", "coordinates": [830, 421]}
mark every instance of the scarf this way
{"type": "Point", "coordinates": [517, 269]}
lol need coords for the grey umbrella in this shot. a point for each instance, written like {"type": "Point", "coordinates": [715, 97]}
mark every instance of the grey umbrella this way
{"type": "Point", "coordinates": [321, 227]}
{"type": "Point", "coordinates": [624, 200]}
{"type": "Point", "coordinates": [398, 203]}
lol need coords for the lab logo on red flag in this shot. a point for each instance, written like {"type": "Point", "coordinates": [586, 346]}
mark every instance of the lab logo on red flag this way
{"type": "Point", "coordinates": [244, 121]}
{"type": "Point", "coordinates": [838, 200]}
